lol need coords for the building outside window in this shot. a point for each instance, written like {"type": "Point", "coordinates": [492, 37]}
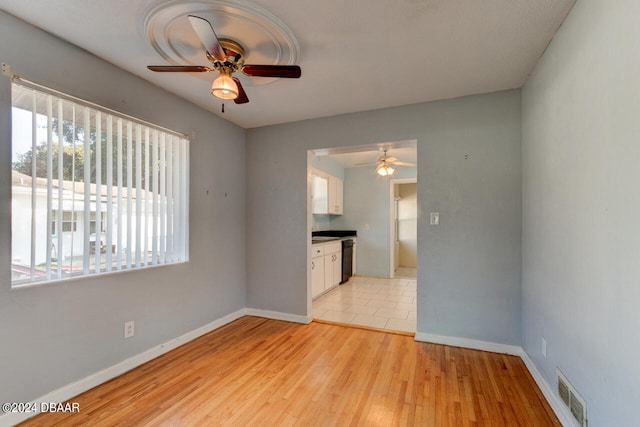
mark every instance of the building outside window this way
{"type": "Point", "coordinates": [93, 191]}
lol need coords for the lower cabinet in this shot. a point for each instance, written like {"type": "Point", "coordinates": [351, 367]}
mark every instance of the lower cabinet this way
{"type": "Point", "coordinates": [317, 275]}
{"type": "Point", "coordinates": [326, 267]}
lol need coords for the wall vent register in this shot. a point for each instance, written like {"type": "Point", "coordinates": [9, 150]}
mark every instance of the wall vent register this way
{"type": "Point", "coordinates": [572, 399]}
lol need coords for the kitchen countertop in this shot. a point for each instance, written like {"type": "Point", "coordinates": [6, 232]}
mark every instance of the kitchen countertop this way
{"type": "Point", "coordinates": [332, 235]}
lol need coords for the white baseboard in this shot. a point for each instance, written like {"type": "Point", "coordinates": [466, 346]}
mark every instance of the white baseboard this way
{"type": "Point", "coordinates": [562, 412]}
{"type": "Point", "coordinates": [278, 315]}
{"type": "Point", "coordinates": [469, 343]}
{"type": "Point", "coordinates": [67, 392]}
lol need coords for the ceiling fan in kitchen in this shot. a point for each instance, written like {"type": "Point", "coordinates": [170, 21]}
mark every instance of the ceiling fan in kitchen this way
{"type": "Point", "coordinates": [226, 57]}
{"type": "Point", "coordinates": [385, 164]}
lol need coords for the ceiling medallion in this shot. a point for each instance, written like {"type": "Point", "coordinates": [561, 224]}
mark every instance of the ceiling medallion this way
{"type": "Point", "coordinates": [264, 38]}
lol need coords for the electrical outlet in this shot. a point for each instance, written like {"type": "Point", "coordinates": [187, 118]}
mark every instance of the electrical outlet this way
{"type": "Point", "coordinates": [129, 329]}
{"type": "Point", "coordinates": [543, 347]}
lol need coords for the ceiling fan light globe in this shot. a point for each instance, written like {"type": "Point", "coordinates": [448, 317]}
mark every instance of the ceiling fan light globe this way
{"type": "Point", "coordinates": [385, 170]}
{"type": "Point", "coordinates": [224, 87]}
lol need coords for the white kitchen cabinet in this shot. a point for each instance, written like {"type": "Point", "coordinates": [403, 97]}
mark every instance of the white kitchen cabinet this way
{"type": "Point", "coordinates": [326, 267]}
{"type": "Point", "coordinates": [326, 194]}
{"type": "Point", "coordinates": [319, 194]}
{"type": "Point", "coordinates": [317, 270]}
{"type": "Point", "coordinates": [332, 264]}
{"type": "Point", "coordinates": [335, 196]}
{"type": "Point", "coordinates": [337, 268]}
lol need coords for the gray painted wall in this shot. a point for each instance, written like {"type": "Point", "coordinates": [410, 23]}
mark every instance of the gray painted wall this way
{"type": "Point", "coordinates": [328, 165]}
{"type": "Point", "coordinates": [581, 245]}
{"type": "Point", "coordinates": [55, 334]}
{"type": "Point", "coordinates": [469, 267]}
{"type": "Point", "coordinates": [366, 202]}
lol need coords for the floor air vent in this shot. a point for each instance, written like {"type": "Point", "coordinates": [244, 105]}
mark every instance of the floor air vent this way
{"type": "Point", "coordinates": [575, 403]}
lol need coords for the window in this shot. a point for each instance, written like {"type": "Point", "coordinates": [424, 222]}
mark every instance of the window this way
{"type": "Point", "coordinates": [93, 191]}
{"type": "Point", "coordinates": [68, 221]}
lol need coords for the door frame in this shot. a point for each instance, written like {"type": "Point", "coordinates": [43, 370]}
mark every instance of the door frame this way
{"type": "Point", "coordinates": [392, 183]}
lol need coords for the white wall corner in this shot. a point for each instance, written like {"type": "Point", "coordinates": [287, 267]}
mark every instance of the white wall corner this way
{"type": "Point", "coordinates": [277, 315]}
{"type": "Point", "coordinates": [69, 391]}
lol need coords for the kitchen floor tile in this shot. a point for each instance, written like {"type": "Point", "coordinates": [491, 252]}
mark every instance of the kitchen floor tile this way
{"type": "Point", "coordinates": [405, 272]}
{"type": "Point", "coordinates": [397, 298]}
{"type": "Point", "coordinates": [367, 320]}
{"type": "Point", "coordinates": [338, 316]}
{"type": "Point", "coordinates": [381, 303]}
{"type": "Point", "coordinates": [361, 309]}
{"type": "Point", "coordinates": [346, 299]}
{"type": "Point", "coordinates": [392, 313]}
{"type": "Point", "coordinates": [406, 306]}
{"type": "Point", "coordinates": [371, 301]}
{"type": "Point", "coordinates": [399, 290]}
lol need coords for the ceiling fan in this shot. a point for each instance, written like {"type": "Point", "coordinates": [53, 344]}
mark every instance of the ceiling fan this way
{"type": "Point", "coordinates": [385, 163]}
{"type": "Point", "coordinates": [227, 57]}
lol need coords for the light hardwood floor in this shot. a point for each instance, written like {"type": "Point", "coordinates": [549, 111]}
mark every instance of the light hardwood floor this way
{"type": "Point", "coordinates": [259, 372]}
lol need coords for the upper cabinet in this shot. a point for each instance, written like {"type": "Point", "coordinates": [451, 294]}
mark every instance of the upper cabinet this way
{"type": "Point", "coordinates": [319, 194]}
{"type": "Point", "coordinates": [327, 193]}
{"type": "Point", "coordinates": [336, 187]}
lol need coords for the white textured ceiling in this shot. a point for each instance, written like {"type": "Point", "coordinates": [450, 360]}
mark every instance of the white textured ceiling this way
{"type": "Point", "coordinates": [355, 55]}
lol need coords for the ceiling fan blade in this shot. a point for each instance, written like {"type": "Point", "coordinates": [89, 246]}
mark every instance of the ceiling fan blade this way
{"type": "Point", "coordinates": [242, 96]}
{"type": "Point", "coordinates": [207, 36]}
{"type": "Point", "coordinates": [366, 164]}
{"type": "Point", "coordinates": [286, 71]}
{"type": "Point", "coordinates": [404, 163]}
{"type": "Point", "coordinates": [179, 68]}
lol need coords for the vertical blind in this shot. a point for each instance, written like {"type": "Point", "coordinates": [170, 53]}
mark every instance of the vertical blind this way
{"type": "Point", "coordinates": [93, 191]}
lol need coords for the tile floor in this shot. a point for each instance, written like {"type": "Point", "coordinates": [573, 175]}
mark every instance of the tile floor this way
{"type": "Point", "coordinates": [405, 272]}
{"type": "Point", "coordinates": [371, 301]}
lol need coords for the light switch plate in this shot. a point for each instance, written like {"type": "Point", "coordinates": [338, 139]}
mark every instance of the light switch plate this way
{"type": "Point", "coordinates": [435, 218]}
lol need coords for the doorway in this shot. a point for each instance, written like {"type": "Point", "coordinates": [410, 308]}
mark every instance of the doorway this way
{"type": "Point", "coordinates": [403, 245]}
{"type": "Point", "coordinates": [372, 297]}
